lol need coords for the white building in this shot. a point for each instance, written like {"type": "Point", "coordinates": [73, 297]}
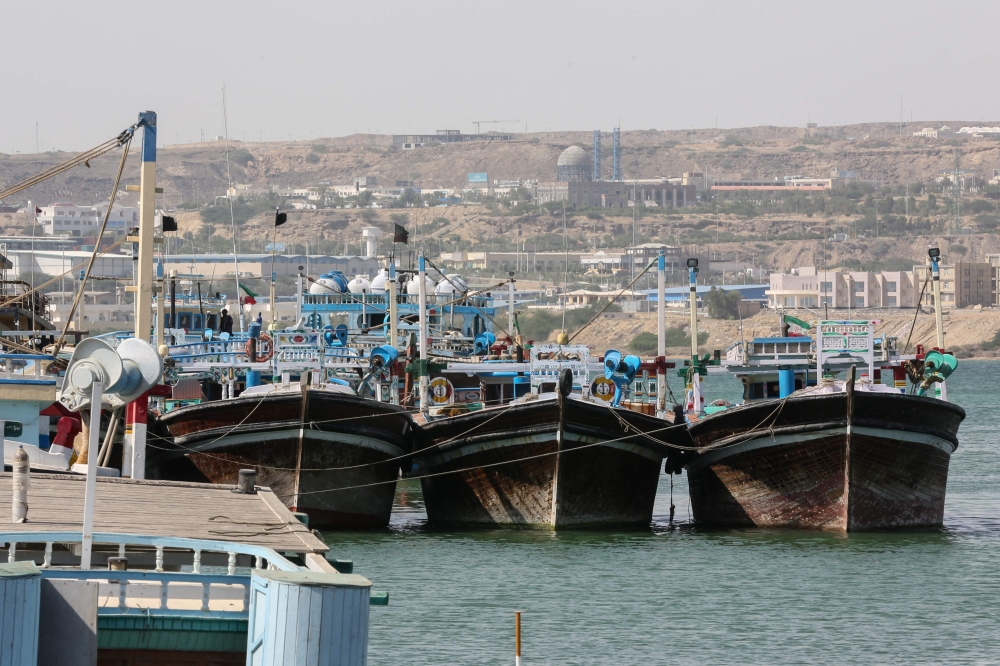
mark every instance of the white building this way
{"type": "Point", "coordinates": [66, 219]}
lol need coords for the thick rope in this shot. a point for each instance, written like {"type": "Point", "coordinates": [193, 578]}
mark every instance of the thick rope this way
{"type": "Point", "coordinates": [77, 160]}
{"type": "Point", "coordinates": [96, 252]}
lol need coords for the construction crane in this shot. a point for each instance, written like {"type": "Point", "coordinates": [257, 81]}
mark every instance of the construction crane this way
{"type": "Point", "coordinates": [477, 123]}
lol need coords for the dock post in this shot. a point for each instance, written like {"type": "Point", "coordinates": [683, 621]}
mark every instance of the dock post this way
{"type": "Point", "coordinates": [517, 638]}
{"type": "Point", "coordinates": [22, 481]}
{"type": "Point", "coordinates": [661, 337]}
{"type": "Point", "coordinates": [97, 390]}
{"type": "Point", "coordinates": [422, 307]}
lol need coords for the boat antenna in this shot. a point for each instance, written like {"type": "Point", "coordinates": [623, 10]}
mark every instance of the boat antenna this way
{"type": "Point", "coordinates": [232, 217]}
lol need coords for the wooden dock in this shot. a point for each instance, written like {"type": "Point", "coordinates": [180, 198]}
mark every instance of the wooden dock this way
{"type": "Point", "coordinates": [161, 509]}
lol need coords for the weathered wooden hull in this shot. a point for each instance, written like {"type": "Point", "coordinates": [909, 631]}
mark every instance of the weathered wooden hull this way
{"type": "Point", "coordinates": [805, 465]}
{"type": "Point", "coordinates": [346, 443]}
{"type": "Point", "coordinates": [510, 466]}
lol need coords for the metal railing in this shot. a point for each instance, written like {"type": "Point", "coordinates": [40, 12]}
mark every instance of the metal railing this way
{"type": "Point", "coordinates": [146, 590]}
{"type": "Point", "coordinates": [27, 369]}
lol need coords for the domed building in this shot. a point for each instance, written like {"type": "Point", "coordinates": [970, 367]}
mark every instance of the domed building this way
{"type": "Point", "coordinates": [574, 166]}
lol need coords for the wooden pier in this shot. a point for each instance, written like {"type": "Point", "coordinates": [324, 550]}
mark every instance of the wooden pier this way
{"type": "Point", "coordinates": [163, 509]}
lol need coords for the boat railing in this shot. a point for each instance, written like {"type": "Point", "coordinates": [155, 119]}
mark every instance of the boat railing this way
{"type": "Point", "coordinates": [27, 369]}
{"type": "Point", "coordinates": [211, 351]}
{"type": "Point", "coordinates": [382, 300]}
{"type": "Point", "coordinates": [158, 586]}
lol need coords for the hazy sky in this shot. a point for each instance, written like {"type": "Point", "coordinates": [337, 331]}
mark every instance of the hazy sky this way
{"type": "Point", "coordinates": [307, 69]}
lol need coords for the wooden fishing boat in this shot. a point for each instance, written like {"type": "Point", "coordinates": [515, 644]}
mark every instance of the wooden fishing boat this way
{"type": "Point", "coordinates": [552, 460]}
{"type": "Point", "coordinates": [823, 453]}
{"type": "Point", "coordinates": [850, 460]}
{"type": "Point", "coordinates": [307, 445]}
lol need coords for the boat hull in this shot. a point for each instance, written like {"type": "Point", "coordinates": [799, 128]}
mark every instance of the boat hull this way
{"type": "Point", "coordinates": [303, 465]}
{"type": "Point", "coordinates": [533, 465]}
{"type": "Point", "coordinates": [806, 465]}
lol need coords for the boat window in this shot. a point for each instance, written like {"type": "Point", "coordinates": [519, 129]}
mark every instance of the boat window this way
{"type": "Point", "coordinates": [197, 322]}
{"type": "Point", "coordinates": [184, 320]}
{"type": "Point", "coordinates": [212, 321]}
{"type": "Point", "coordinates": [547, 387]}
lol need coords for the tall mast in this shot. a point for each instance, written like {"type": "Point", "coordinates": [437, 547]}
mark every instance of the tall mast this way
{"type": "Point", "coordinates": [147, 212]}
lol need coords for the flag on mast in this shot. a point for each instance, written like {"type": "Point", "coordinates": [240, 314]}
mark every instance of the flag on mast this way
{"type": "Point", "coordinates": [251, 296]}
{"type": "Point", "coordinates": [796, 327]}
{"type": "Point", "coordinates": [401, 235]}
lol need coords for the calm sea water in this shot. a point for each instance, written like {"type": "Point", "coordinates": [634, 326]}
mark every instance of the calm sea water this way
{"type": "Point", "coordinates": [681, 595]}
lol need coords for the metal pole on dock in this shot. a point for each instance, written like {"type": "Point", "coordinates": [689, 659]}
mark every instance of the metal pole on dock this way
{"type": "Point", "coordinates": [935, 255]}
{"type": "Point", "coordinates": [661, 336]}
{"type": "Point", "coordinates": [147, 211]}
{"type": "Point", "coordinates": [693, 299]}
{"type": "Point", "coordinates": [517, 638]}
{"type": "Point", "coordinates": [510, 303]}
{"type": "Point", "coordinates": [160, 324]}
{"type": "Point", "coordinates": [96, 392]}
{"type": "Point", "coordinates": [393, 332]}
{"type": "Point", "coordinates": [422, 307]}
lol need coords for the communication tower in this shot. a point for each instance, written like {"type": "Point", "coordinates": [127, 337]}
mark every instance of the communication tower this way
{"type": "Point", "coordinates": [597, 154]}
{"type": "Point", "coordinates": [616, 157]}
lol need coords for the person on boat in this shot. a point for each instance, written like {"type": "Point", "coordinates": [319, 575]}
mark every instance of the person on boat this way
{"type": "Point", "coordinates": [226, 323]}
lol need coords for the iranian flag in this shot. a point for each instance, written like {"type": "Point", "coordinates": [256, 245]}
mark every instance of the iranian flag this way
{"type": "Point", "coordinates": [796, 327]}
{"type": "Point", "coordinates": [251, 296]}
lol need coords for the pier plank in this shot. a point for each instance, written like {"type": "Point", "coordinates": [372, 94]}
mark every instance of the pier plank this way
{"type": "Point", "coordinates": [162, 508]}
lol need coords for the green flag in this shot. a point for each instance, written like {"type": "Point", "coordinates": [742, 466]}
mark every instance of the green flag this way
{"type": "Point", "coordinates": [796, 327]}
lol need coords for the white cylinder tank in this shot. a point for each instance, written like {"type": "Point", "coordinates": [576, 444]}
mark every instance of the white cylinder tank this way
{"type": "Point", "coordinates": [360, 285]}
{"type": "Point", "coordinates": [324, 286]}
{"type": "Point", "coordinates": [379, 285]}
{"type": "Point", "coordinates": [446, 288]}
{"type": "Point", "coordinates": [413, 285]}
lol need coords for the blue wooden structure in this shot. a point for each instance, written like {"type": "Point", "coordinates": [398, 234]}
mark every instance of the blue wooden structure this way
{"type": "Point", "coordinates": [282, 613]}
{"type": "Point", "coordinates": [305, 618]}
{"type": "Point", "coordinates": [20, 593]}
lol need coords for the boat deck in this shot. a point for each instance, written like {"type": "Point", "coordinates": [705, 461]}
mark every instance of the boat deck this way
{"type": "Point", "coordinates": [162, 509]}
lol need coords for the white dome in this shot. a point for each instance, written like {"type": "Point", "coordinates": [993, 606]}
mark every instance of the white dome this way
{"type": "Point", "coordinates": [414, 284]}
{"type": "Point", "coordinates": [379, 283]}
{"type": "Point", "coordinates": [445, 288]}
{"type": "Point", "coordinates": [324, 286]}
{"type": "Point", "coordinates": [360, 285]}
{"type": "Point", "coordinates": [574, 156]}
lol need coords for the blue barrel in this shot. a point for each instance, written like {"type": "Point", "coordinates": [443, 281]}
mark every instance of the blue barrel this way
{"type": "Point", "coordinates": [254, 329]}
{"type": "Point", "coordinates": [253, 378]}
{"type": "Point", "coordinates": [786, 382]}
{"type": "Point", "coordinates": [522, 386]}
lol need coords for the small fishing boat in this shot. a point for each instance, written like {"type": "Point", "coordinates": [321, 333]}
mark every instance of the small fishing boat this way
{"type": "Point", "coordinates": [556, 457]}
{"type": "Point", "coordinates": [308, 443]}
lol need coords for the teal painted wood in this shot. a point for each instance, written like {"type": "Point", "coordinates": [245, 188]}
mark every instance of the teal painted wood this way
{"type": "Point", "coordinates": [171, 633]}
{"type": "Point", "coordinates": [20, 597]}
{"type": "Point", "coordinates": [312, 619]}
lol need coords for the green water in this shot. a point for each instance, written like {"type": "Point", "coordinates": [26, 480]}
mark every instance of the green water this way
{"type": "Point", "coordinates": [684, 596]}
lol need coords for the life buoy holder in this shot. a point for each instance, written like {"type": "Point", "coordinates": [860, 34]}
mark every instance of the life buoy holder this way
{"type": "Point", "coordinates": [265, 347]}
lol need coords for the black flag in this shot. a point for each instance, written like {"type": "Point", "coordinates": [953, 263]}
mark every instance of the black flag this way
{"type": "Point", "coordinates": [279, 218]}
{"type": "Point", "coordinates": [401, 235]}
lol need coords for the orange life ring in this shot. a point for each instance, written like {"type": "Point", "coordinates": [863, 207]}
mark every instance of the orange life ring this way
{"type": "Point", "coordinates": [265, 349]}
